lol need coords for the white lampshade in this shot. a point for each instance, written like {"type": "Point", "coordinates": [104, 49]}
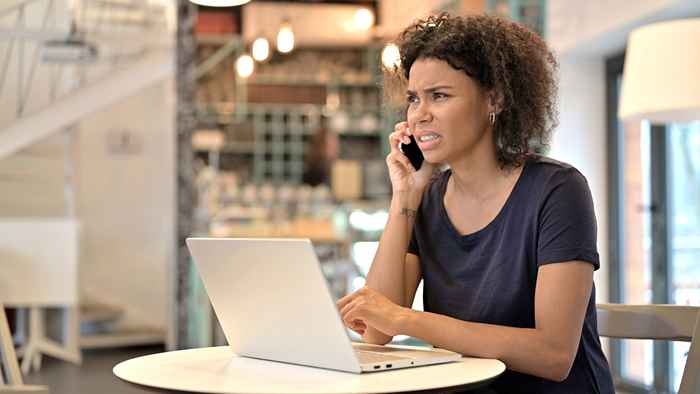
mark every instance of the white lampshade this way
{"type": "Point", "coordinates": [661, 80]}
{"type": "Point", "coordinates": [220, 3]}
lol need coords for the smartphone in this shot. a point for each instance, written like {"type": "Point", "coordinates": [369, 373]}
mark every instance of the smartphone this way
{"type": "Point", "coordinates": [412, 151]}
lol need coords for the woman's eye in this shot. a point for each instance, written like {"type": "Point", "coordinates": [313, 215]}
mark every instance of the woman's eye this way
{"type": "Point", "coordinates": [439, 96]}
{"type": "Point", "coordinates": [411, 99]}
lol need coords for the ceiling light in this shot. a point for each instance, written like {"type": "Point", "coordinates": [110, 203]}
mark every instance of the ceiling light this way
{"type": "Point", "coordinates": [364, 19]}
{"type": "Point", "coordinates": [245, 66]}
{"type": "Point", "coordinates": [285, 38]}
{"type": "Point", "coordinates": [220, 3]}
{"type": "Point", "coordinates": [261, 49]}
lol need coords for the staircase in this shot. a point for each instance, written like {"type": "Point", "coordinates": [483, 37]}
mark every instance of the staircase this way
{"type": "Point", "coordinates": [99, 328]}
{"type": "Point", "coordinates": [55, 71]}
{"type": "Point", "coordinates": [42, 97]}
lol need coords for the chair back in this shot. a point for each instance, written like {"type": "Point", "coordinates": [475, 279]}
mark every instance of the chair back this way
{"type": "Point", "coordinates": [660, 322]}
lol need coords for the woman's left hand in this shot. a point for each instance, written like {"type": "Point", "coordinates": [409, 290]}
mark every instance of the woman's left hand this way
{"type": "Point", "coordinates": [367, 307]}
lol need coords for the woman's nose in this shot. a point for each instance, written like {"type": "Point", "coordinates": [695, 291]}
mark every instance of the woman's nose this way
{"type": "Point", "coordinates": [421, 114]}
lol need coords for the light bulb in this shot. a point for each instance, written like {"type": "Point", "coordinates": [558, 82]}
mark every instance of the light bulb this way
{"type": "Point", "coordinates": [245, 66]}
{"type": "Point", "coordinates": [261, 49]}
{"type": "Point", "coordinates": [391, 57]}
{"type": "Point", "coordinates": [285, 38]}
{"type": "Point", "coordinates": [364, 19]}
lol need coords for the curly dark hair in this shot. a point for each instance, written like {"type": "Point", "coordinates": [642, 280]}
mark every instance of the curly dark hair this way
{"type": "Point", "coordinates": [499, 55]}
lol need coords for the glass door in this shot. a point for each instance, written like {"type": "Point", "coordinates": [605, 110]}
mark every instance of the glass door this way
{"type": "Point", "coordinates": [684, 226]}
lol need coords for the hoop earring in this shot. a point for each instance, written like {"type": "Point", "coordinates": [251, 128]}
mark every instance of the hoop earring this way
{"type": "Point", "coordinates": [492, 118]}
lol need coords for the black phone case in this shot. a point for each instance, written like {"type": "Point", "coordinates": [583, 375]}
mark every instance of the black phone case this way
{"type": "Point", "coordinates": [412, 151]}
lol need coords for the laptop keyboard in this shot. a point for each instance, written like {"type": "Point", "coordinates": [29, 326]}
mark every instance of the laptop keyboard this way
{"type": "Point", "coordinates": [375, 349]}
{"type": "Point", "coordinates": [368, 357]}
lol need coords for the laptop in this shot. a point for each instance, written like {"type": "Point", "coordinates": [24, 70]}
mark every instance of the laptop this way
{"type": "Point", "coordinates": [273, 303]}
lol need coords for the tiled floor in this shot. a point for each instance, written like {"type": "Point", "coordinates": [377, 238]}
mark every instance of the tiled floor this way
{"type": "Point", "coordinates": [93, 377]}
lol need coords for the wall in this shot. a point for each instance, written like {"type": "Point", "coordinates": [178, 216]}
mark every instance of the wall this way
{"type": "Point", "coordinates": [583, 35]}
{"type": "Point", "coordinates": [580, 140]}
{"type": "Point", "coordinates": [126, 204]}
{"type": "Point", "coordinates": [594, 28]}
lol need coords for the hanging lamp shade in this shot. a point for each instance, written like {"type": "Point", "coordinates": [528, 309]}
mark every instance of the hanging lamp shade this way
{"type": "Point", "coordinates": [661, 79]}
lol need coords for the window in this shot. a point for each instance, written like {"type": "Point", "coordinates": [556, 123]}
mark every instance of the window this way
{"type": "Point", "coordinates": [684, 226]}
{"type": "Point", "coordinates": [654, 184]}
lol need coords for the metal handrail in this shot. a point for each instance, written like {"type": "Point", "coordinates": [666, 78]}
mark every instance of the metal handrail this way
{"type": "Point", "coordinates": [27, 68]}
{"type": "Point", "coordinates": [14, 7]}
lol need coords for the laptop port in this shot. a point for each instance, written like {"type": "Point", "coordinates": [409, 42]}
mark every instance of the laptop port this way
{"type": "Point", "coordinates": [388, 365]}
{"type": "Point", "coordinates": [377, 366]}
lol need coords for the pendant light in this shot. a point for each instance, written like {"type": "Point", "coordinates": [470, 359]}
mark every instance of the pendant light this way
{"type": "Point", "coordinates": [220, 3]}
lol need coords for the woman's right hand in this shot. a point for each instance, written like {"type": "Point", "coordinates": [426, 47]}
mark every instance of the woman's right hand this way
{"type": "Point", "coordinates": [404, 177]}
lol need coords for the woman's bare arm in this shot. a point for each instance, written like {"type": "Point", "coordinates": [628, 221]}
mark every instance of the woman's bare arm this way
{"type": "Point", "coordinates": [395, 273]}
{"type": "Point", "coordinates": [547, 351]}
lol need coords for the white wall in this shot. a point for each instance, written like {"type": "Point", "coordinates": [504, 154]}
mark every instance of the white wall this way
{"type": "Point", "coordinates": [126, 204]}
{"type": "Point", "coordinates": [580, 140]}
{"type": "Point", "coordinates": [594, 28]}
{"type": "Point", "coordinates": [32, 180]}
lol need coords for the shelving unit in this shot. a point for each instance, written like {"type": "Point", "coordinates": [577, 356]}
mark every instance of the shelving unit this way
{"type": "Point", "coordinates": [267, 142]}
{"type": "Point", "coordinates": [528, 12]}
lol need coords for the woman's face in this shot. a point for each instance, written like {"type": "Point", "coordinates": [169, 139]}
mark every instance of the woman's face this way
{"type": "Point", "coordinates": [447, 112]}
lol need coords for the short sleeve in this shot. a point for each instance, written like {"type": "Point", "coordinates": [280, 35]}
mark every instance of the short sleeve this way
{"type": "Point", "coordinates": [567, 228]}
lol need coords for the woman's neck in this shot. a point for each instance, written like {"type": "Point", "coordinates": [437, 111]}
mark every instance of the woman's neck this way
{"type": "Point", "coordinates": [479, 177]}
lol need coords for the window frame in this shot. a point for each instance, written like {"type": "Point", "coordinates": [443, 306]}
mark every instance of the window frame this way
{"type": "Point", "coordinates": [661, 237]}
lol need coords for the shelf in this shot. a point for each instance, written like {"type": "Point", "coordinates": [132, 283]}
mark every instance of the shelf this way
{"type": "Point", "coordinates": [362, 81]}
{"type": "Point", "coordinates": [360, 134]}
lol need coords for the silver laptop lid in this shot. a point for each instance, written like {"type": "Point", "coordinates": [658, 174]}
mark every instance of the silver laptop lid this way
{"type": "Point", "coordinates": [272, 301]}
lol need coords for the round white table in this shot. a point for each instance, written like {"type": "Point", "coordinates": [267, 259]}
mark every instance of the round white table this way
{"type": "Point", "coordinates": [219, 370]}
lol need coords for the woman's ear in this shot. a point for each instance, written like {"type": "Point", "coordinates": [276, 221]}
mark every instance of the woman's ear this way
{"type": "Point", "coordinates": [495, 101]}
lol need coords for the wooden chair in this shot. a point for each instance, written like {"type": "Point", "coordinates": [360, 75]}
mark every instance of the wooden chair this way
{"type": "Point", "coordinates": [662, 322]}
{"type": "Point", "coordinates": [10, 377]}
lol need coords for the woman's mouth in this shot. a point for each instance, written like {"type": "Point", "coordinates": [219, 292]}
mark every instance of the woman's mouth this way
{"type": "Point", "coordinates": [428, 141]}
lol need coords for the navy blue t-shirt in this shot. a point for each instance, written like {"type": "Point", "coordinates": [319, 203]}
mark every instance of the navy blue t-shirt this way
{"type": "Point", "coordinates": [489, 276]}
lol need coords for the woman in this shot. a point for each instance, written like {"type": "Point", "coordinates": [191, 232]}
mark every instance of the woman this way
{"type": "Point", "coordinates": [505, 240]}
{"type": "Point", "coordinates": [322, 151]}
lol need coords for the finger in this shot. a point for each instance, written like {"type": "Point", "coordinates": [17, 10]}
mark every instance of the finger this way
{"type": "Point", "coordinates": [400, 126]}
{"type": "Point", "coordinates": [347, 308]}
{"type": "Point", "coordinates": [357, 325]}
{"type": "Point", "coordinates": [406, 133]}
{"type": "Point", "coordinates": [401, 159]}
{"type": "Point", "coordinates": [345, 300]}
{"type": "Point", "coordinates": [395, 140]}
{"type": "Point", "coordinates": [400, 135]}
{"type": "Point", "coordinates": [355, 312]}
{"type": "Point", "coordinates": [360, 332]}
